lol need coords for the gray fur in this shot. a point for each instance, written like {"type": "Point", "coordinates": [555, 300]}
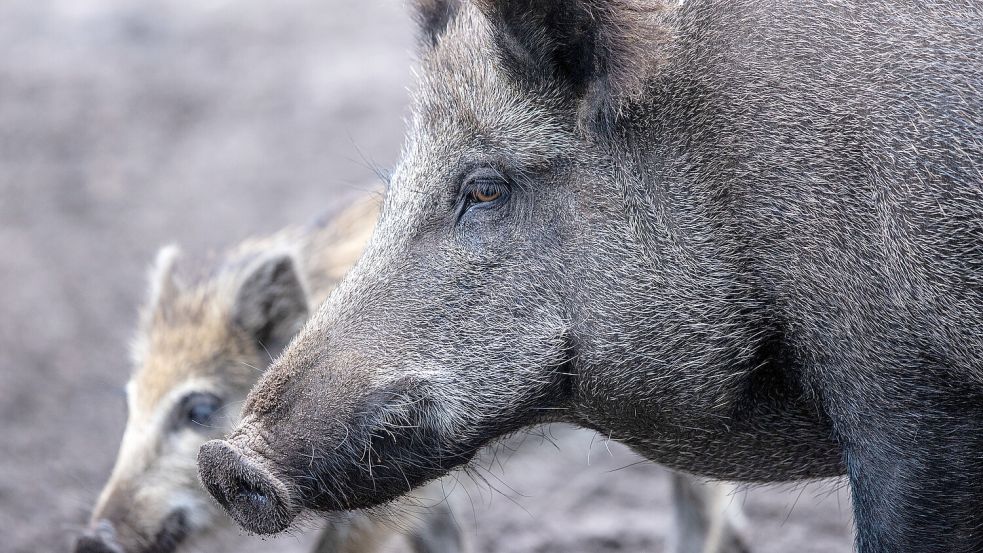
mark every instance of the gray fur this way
{"type": "Point", "coordinates": [767, 265]}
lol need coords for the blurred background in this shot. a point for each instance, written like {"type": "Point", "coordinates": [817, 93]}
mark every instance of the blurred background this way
{"type": "Point", "coordinates": [128, 125]}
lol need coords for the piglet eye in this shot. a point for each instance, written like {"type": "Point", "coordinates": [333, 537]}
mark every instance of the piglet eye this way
{"type": "Point", "coordinates": [197, 410]}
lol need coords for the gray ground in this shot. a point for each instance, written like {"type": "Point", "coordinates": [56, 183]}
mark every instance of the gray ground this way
{"type": "Point", "coordinates": [124, 126]}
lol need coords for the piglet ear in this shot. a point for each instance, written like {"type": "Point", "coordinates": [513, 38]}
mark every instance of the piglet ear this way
{"type": "Point", "coordinates": [432, 17]}
{"type": "Point", "coordinates": [164, 286]}
{"type": "Point", "coordinates": [601, 51]}
{"type": "Point", "coordinates": [271, 302]}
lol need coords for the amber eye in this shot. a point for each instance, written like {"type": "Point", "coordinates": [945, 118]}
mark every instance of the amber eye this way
{"type": "Point", "coordinates": [486, 196]}
{"type": "Point", "coordinates": [487, 190]}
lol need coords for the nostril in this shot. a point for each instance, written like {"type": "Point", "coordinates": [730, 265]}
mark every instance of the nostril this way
{"type": "Point", "coordinates": [253, 496]}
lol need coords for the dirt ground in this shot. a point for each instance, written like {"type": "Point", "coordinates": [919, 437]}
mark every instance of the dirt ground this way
{"type": "Point", "coordinates": [125, 126]}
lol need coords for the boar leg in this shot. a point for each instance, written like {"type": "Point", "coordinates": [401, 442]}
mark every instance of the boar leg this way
{"type": "Point", "coordinates": [707, 517]}
{"type": "Point", "coordinates": [915, 465]}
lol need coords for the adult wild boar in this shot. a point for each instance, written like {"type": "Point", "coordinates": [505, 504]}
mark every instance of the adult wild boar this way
{"type": "Point", "coordinates": [206, 334]}
{"type": "Point", "coordinates": [744, 237]}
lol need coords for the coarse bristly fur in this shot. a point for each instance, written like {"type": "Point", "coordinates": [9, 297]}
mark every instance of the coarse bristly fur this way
{"type": "Point", "coordinates": [208, 330]}
{"type": "Point", "coordinates": [750, 247]}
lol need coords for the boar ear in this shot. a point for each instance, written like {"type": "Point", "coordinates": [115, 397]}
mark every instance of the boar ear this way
{"type": "Point", "coordinates": [602, 51]}
{"type": "Point", "coordinates": [271, 303]}
{"type": "Point", "coordinates": [432, 17]}
{"type": "Point", "coordinates": [164, 286]}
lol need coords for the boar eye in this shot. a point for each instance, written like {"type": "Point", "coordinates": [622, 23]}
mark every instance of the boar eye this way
{"type": "Point", "coordinates": [197, 410]}
{"type": "Point", "coordinates": [484, 187]}
{"type": "Point", "coordinates": [486, 191]}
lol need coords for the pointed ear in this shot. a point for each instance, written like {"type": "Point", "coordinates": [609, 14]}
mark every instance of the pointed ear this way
{"type": "Point", "coordinates": [164, 286]}
{"type": "Point", "coordinates": [271, 302]}
{"type": "Point", "coordinates": [603, 52]}
{"type": "Point", "coordinates": [432, 17]}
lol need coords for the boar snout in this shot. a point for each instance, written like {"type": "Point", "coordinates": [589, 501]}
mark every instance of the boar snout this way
{"type": "Point", "coordinates": [256, 499]}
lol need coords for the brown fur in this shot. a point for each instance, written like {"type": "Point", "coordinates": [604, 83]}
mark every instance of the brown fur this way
{"type": "Point", "coordinates": [189, 341]}
{"type": "Point", "coordinates": [185, 326]}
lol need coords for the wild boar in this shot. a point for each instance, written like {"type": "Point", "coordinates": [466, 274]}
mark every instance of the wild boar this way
{"type": "Point", "coordinates": [206, 334]}
{"type": "Point", "coordinates": [744, 237]}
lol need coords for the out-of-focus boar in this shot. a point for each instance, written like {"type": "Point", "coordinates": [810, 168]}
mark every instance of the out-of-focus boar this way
{"type": "Point", "coordinates": [206, 334]}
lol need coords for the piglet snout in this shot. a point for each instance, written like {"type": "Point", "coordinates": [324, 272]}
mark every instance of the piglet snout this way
{"type": "Point", "coordinates": [101, 538]}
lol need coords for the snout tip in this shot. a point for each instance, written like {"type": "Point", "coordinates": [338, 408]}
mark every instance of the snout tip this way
{"type": "Point", "coordinates": [101, 538]}
{"type": "Point", "coordinates": [255, 498]}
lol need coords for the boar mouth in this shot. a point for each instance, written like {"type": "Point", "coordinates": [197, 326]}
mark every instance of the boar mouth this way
{"type": "Point", "coordinates": [395, 439]}
{"type": "Point", "coordinates": [256, 499]}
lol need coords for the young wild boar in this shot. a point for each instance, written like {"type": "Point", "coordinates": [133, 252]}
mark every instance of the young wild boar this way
{"type": "Point", "coordinates": [744, 237]}
{"type": "Point", "coordinates": [202, 343]}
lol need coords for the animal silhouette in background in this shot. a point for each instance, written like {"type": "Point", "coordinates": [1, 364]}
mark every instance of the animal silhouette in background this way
{"type": "Point", "coordinates": [207, 332]}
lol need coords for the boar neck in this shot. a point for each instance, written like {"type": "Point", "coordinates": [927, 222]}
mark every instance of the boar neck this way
{"type": "Point", "coordinates": [693, 335]}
